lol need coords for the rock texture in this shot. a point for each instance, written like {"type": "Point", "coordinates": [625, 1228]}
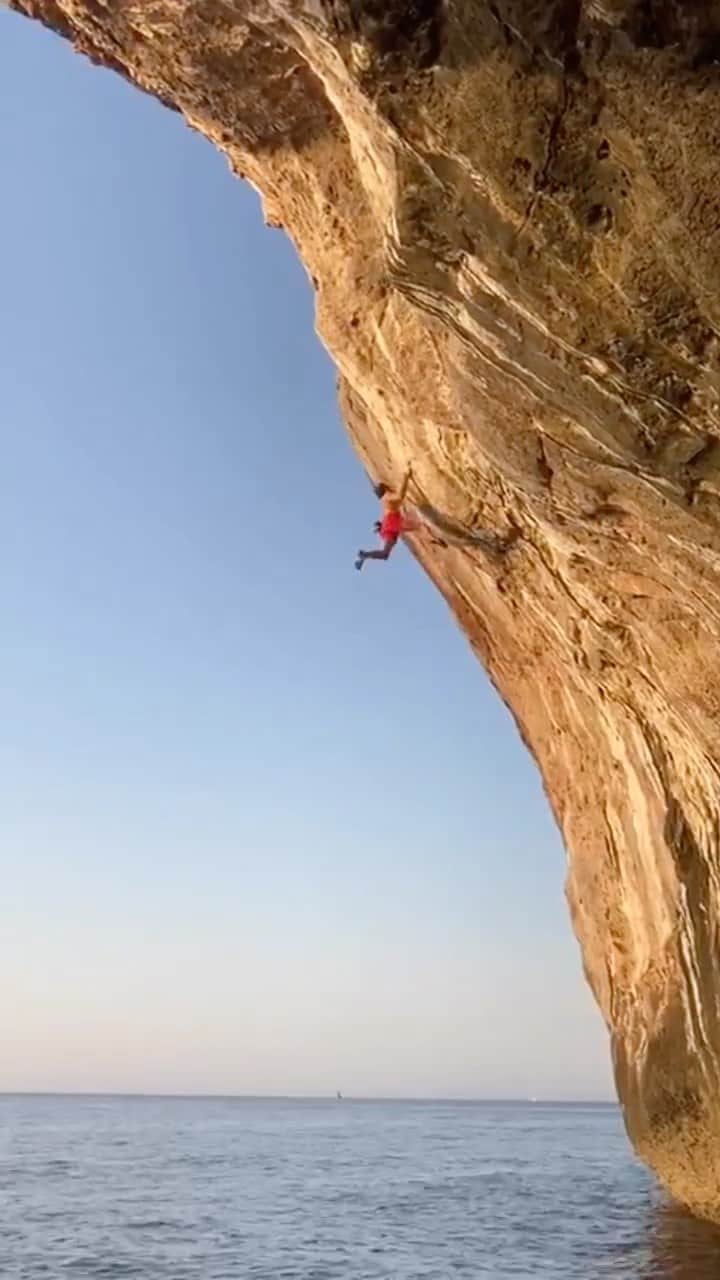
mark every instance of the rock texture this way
{"type": "Point", "coordinates": [510, 211]}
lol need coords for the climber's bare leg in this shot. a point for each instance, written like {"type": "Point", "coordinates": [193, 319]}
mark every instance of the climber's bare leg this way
{"type": "Point", "coordinates": [414, 524]}
{"type": "Point", "coordinates": [411, 524]}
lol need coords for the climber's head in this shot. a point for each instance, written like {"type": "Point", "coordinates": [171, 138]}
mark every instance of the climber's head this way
{"type": "Point", "coordinates": [377, 526]}
{"type": "Point", "coordinates": [380, 490]}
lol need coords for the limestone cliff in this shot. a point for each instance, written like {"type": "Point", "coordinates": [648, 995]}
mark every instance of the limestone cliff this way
{"type": "Point", "coordinates": [510, 211]}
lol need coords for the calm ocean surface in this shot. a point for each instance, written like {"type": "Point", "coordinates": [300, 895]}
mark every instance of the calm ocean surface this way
{"type": "Point", "coordinates": [205, 1189]}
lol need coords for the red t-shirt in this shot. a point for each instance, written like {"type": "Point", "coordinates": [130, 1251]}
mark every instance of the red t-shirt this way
{"type": "Point", "coordinates": [392, 524]}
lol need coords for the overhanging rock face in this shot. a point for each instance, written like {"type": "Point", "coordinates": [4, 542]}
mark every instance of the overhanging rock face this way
{"type": "Point", "coordinates": [511, 215]}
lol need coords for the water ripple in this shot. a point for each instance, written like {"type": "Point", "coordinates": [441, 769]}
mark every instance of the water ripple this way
{"type": "Point", "coordinates": [171, 1189]}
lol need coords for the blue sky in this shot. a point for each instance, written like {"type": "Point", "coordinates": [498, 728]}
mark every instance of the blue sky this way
{"type": "Point", "coordinates": [264, 825]}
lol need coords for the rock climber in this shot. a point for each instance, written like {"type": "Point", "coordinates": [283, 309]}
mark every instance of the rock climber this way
{"type": "Point", "coordinates": [395, 521]}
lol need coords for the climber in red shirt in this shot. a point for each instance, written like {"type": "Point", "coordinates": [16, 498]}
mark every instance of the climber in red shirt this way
{"type": "Point", "coordinates": [395, 521]}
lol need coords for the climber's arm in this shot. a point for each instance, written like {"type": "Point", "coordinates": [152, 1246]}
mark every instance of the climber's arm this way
{"type": "Point", "coordinates": [406, 481]}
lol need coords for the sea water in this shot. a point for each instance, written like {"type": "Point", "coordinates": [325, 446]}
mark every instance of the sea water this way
{"type": "Point", "coordinates": [209, 1189]}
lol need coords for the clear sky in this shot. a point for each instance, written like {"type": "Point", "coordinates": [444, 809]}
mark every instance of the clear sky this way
{"type": "Point", "coordinates": [264, 825]}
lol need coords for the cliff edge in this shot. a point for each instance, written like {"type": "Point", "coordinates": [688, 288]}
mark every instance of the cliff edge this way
{"type": "Point", "coordinates": [510, 211]}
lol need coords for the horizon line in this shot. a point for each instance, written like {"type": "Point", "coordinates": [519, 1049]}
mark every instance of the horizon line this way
{"type": "Point", "coordinates": [338, 1096]}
